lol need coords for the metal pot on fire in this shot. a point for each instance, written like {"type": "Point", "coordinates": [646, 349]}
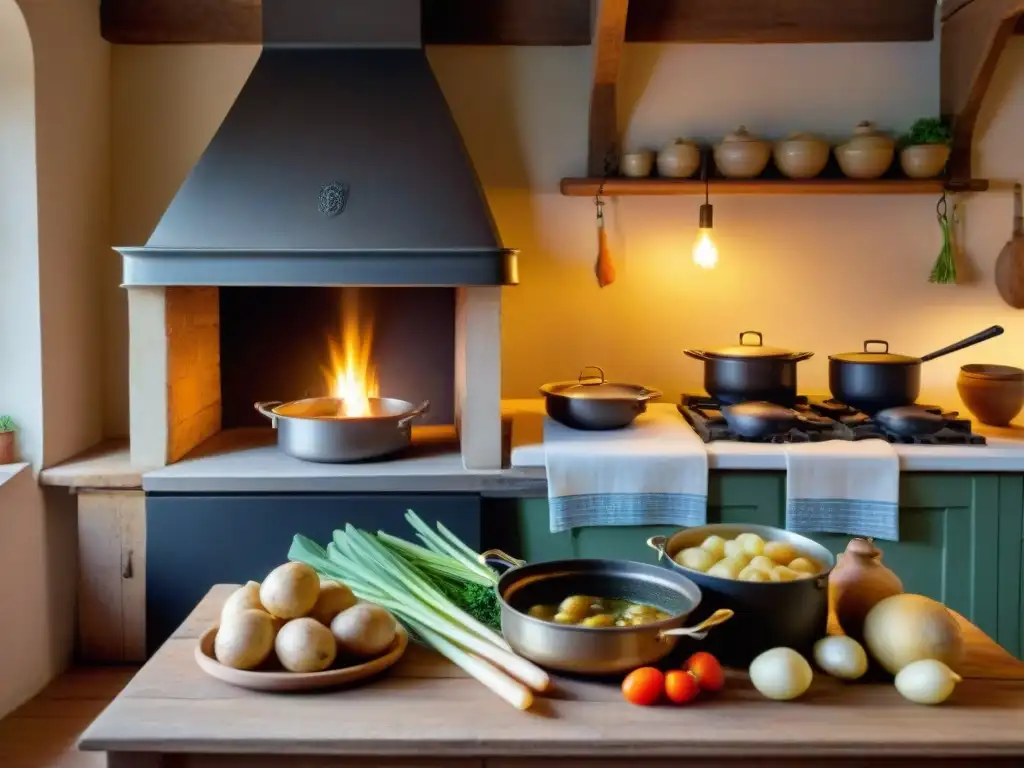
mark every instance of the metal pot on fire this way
{"type": "Point", "coordinates": [875, 379]}
{"type": "Point", "coordinates": [323, 429]}
{"type": "Point", "coordinates": [592, 403]}
{"type": "Point", "coordinates": [750, 371]}
{"type": "Point", "coordinates": [768, 614]}
{"type": "Point", "coordinates": [595, 650]}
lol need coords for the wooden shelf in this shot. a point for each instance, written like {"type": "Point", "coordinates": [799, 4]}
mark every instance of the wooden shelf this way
{"type": "Point", "coordinates": [588, 187]}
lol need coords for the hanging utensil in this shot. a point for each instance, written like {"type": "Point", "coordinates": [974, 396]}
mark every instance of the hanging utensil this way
{"type": "Point", "coordinates": [944, 271]}
{"type": "Point", "coordinates": [604, 268]}
{"type": "Point", "coordinates": [1010, 264]}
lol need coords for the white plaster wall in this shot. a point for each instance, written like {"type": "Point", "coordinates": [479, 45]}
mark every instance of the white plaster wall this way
{"type": "Point", "coordinates": [20, 332]}
{"type": "Point", "coordinates": [818, 274]}
{"type": "Point", "coordinates": [72, 77]}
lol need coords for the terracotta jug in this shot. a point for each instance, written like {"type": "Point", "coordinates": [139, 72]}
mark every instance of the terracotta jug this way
{"type": "Point", "coordinates": [858, 581]}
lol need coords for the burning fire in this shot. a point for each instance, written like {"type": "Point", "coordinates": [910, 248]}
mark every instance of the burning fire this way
{"type": "Point", "coordinates": [352, 377]}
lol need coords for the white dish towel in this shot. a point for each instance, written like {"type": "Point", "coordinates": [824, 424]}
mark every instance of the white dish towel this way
{"type": "Point", "coordinates": [840, 486]}
{"type": "Point", "coordinates": [653, 472]}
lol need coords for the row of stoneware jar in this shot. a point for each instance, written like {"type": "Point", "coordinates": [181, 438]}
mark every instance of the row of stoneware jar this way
{"type": "Point", "coordinates": [867, 154]}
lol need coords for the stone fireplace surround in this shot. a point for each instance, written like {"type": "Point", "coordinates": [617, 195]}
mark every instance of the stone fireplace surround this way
{"type": "Point", "coordinates": [176, 383]}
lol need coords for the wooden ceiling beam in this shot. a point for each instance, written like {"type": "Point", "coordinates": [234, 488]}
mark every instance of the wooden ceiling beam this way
{"type": "Point", "coordinates": [609, 37]}
{"type": "Point", "coordinates": [973, 39]}
{"type": "Point", "coordinates": [553, 22]}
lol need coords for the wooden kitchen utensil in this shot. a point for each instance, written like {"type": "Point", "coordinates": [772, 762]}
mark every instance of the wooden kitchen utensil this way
{"type": "Point", "coordinates": [604, 268]}
{"type": "Point", "coordinates": [1010, 264]}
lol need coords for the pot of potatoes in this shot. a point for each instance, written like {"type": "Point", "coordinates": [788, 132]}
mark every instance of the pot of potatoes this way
{"type": "Point", "coordinates": [775, 581]}
{"type": "Point", "coordinates": [296, 630]}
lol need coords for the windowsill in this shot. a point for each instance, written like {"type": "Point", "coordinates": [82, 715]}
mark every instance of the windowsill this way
{"type": "Point", "coordinates": [9, 471]}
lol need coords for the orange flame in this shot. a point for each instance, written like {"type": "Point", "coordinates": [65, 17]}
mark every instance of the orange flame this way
{"type": "Point", "coordinates": [352, 376]}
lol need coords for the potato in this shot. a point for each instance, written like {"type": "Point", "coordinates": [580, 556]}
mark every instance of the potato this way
{"type": "Point", "coordinates": [782, 552]}
{"type": "Point", "coordinates": [242, 599]}
{"type": "Point", "coordinates": [782, 573]}
{"type": "Point", "coordinates": [697, 558]}
{"type": "Point", "coordinates": [244, 639]}
{"type": "Point", "coordinates": [762, 563]}
{"type": "Point", "coordinates": [577, 606]}
{"type": "Point", "coordinates": [750, 573]}
{"type": "Point", "coordinates": [600, 620]}
{"type": "Point", "coordinates": [545, 612]}
{"type": "Point", "coordinates": [305, 645]}
{"type": "Point", "coordinates": [290, 590]}
{"type": "Point", "coordinates": [334, 598]}
{"type": "Point", "coordinates": [365, 630]}
{"type": "Point", "coordinates": [715, 545]}
{"type": "Point", "coordinates": [729, 568]}
{"type": "Point", "coordinates": [751, 543]}
{"type": "Point", "coordinates": [804, 565]}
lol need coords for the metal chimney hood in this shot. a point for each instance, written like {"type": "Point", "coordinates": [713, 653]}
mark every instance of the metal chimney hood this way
{"type": "Point", "coordinates": [338, 164]}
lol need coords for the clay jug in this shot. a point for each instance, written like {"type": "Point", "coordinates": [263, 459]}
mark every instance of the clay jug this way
{"type": "Point", "coordinates": [858, 581]}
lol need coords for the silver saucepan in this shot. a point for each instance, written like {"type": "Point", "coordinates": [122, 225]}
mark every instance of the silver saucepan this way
{"type": "Point", "coordinates": [319, 429]}
{"type": "Point", "coordinates": [595, 650]}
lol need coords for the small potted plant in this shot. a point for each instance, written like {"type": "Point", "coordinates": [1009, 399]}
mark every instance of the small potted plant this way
{"type": "Point", "coordinates": [925, 149]}
{"type": "Point", "coordinates": [6, 440]}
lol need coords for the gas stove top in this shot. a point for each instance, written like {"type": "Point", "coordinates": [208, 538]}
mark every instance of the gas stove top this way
{"type": "Point", "coordinates": [824, 419]}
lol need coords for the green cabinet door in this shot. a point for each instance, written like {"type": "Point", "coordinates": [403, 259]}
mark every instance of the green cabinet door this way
{"type": "Point", "coordinates": [961, 538]}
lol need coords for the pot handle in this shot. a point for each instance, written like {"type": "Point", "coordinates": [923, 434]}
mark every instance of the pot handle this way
{"type": "Point", "coordinates": [658, 544]}
{"type": "Point", "coordinates": [265, 408]}
{"type": "Point", "coordinates": [412, 415]}
{"type": "Point", "coordinates": [877, 341]}
{"type": "Point", "coordinates": [599, 382]}
{"type": "Point", "coordinates": [700, 631]}
{"type": "Point", "coordinates": [696, 354]}
{"type": "Point", "coordinates": [796, 357]}
{"type": "Point", "coordinates": [495, 557]}
{"type": "Point", "coordinates": [760, 338]}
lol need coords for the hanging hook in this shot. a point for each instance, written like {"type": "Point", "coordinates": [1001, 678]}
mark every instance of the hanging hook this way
{"type": "Point", "coordinates": [598, 202]}
{"type": "Point", "coordinates": [940, 207]}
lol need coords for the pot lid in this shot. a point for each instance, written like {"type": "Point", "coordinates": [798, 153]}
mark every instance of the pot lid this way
{"type": "Point", "coordinates": [740, 135]}
{"type": "Point", "coordinates": [883, 356]}
{"type": "Point", "coordinates": [747, 349]}
{"type": "Point", "coordinates": [865, 136]}
{"type": "Point", "coordinates": [803, 136]}
{"type": "Point", "coordinates": [597, 388]}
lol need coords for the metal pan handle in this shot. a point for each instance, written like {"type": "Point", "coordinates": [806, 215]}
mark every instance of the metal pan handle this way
{"type": "Point", "coordinates": [658, 544]}
{"type": "Point", "coordinates": [413, 415]}
{"type": "Point", "coordinates": [700, 631]}
{"type": "Point", "coordinates": [495, 557]}
{"type": "Point", "coordinates": [883, 342]}
{"type": "Point", "coordinates": [697, 354]}
{"type": "Point", "coordinates": [265, 407]}
{"type": "Point", "coordinates": [589, 382]}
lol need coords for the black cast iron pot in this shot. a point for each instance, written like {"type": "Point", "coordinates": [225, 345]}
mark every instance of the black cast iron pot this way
{"type": "Point", "coordinates": [873, 380]}
{"type": "Point", "coordinates": [591, 403]}
{"type": "Point", "coordinates": [750, 371]}
{"type": "Point", "coordinates": [793, 614]}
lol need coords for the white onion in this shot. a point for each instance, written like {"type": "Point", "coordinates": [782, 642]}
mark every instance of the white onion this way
{"type": "Point", "coordinates": [926, 681]}
{"type": "Point", "coordinates": [841, 656]}
{"type": "Point", "coordinates": [781, 674]}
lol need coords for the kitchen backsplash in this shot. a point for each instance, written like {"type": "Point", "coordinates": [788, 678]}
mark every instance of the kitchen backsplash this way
{"type": "Point", "coordinates": [816, 274]}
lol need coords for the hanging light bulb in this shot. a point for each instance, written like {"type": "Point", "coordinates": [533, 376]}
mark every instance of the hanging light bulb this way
{"type": "Point", "coordinates": [705, 254]}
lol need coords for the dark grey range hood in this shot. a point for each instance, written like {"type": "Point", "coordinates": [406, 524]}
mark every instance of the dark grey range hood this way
{"type": "Point", "coordinates": [338, 164]}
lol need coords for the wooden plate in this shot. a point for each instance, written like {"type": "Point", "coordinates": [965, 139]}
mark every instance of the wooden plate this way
{"type": "Point", "coordinates": [256, 680]}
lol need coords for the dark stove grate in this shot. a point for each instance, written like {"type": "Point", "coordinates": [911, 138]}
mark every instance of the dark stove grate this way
{"type": "Point", "coordinates": [704, 414]}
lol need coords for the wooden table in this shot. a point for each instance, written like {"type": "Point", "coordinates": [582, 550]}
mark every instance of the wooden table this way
{"type": "Point", "coordinates": [426, 712]}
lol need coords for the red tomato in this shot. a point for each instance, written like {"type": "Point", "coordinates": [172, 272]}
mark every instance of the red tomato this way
{"type": "Point", "coordinates": [707, 670]}
{"type": "Point", "coordinates": [680, 686]}
{"type": "Point", "coordinates": [643, 686]}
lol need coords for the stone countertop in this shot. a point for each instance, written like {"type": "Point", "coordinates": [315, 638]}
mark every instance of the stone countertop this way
{"type": "Point", "coordinates": [1004, 452]}
{"type": "Point", "coordinates": [425, 707]}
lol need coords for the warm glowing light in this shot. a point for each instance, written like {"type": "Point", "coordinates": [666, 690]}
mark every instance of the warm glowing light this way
{"type": "Point", "coordinates": [704, 252]}
{"type": "Point", "coordinates": [352, 377]}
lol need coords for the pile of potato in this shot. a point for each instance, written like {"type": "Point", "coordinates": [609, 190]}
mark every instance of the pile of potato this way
{"type": "Point", "coordinates": [748, 557]}
{"type": "Point", "coordinates": [302, 621]}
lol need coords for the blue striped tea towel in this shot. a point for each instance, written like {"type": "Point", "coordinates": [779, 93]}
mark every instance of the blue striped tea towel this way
{"type": "Point", "coordinates": [653, 472]}
{"type": "Point", "coordinates": [840, 486]}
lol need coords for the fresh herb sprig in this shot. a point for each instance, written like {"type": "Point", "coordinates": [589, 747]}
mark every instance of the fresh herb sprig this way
{"type": "Point", "coordinates": [928, 130]}
{"type": "Point", "coordinates": [7, 424]}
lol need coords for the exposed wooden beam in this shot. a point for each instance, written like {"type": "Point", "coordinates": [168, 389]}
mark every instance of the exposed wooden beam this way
{"type": "Point", "coordinates": [609, 36]}
{"type": "Point", "coordinates": [949, 7]}
{"type": "Point", "coordinates": [973, 38]}
{"type": "Point", "coordinates": [554, 22]}
{"type": "Point", "coordinates": [781, 21]}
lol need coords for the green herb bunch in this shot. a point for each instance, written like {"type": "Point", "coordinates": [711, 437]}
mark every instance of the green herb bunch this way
{"type": "Point", "coordinates": [6, 424]}
{"type": "Point", "coordinates": [928, 130]}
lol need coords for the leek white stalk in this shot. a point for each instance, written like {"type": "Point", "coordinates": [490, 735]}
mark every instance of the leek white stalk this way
{"type": "Point", "coordinates": [507, 688]}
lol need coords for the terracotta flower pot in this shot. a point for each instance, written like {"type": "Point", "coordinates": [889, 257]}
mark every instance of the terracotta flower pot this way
{"type": "Point", "coordinates": [6, 447]}
{"type": "Point", "coordinates": [924, 161]}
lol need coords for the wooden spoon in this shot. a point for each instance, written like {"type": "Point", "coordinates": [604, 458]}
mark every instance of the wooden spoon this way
{"type": "Point", "coordinates": [1010, 264]}
{"type": "Point", "coordinates": [700, 631]}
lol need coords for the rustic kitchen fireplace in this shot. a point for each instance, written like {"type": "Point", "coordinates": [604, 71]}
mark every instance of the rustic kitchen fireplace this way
{"type": "Point", "coordinates": [336, 201]}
